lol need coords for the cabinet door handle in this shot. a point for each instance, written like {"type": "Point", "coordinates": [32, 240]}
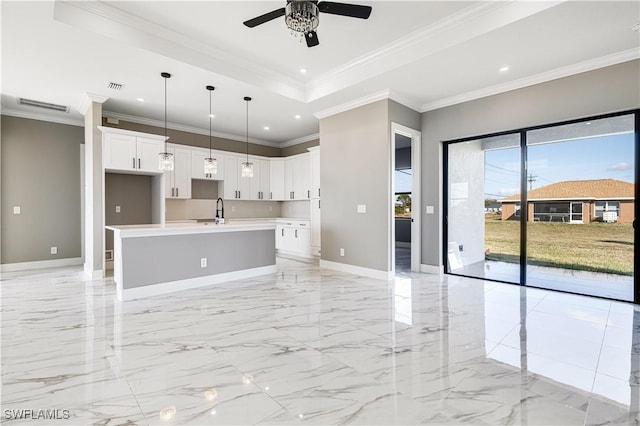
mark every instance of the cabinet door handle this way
{"type": "Point", "coordinates": [296, 233]}
{"type": "Point", "coordinates": [308, 194]}
{"type": "Point", "coordinates": [318, 192]}
{"type": "Point", "coordinates": [271, 195]}
{"type": "Point", "coordinates": [139, 164]}
{"type": "Point", "coordinates": [177, 192]}
{"type": "Point", "coordinates": [318, 203]}
{"type": "Point", "coordinates": [134, 163]}
{"type": "Point", "coordinates": [282, 232]}
{"type": "Point", "coordinates": [172, 192]}
{"type": "Point", "coordinates": [239, 196]}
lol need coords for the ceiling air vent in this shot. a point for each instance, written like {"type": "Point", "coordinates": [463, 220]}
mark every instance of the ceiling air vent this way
{"type": "Point", "coordinates": [44, 105]}
{"type": "Point", "coordinates": [115, 86]}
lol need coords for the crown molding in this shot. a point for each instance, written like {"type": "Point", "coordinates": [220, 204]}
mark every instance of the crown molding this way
{"type": "Point", "coordinates": [43, 117]}
{"type": "Point", "coordinates": [356, 103]}
{"type": "Point", "coordinates": [590, 65]}
{"type": "Point", "coordinates": [300, 140]}
{"type": "Point", "coordinates": [471, 22]}
{"type": "Point", "coordinates": [188, 129]}
{"type": "Point", "coordinates": [87, 99]}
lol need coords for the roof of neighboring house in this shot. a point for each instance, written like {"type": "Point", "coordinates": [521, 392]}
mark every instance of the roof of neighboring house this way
{"type": "Point", "coordinates": [605, 189]}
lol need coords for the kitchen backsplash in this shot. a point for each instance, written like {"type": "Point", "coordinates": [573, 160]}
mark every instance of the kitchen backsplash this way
{"type": "Point", "coordinates": [296, 209]}
{"type": "Point", "coordinates": [206, 209]}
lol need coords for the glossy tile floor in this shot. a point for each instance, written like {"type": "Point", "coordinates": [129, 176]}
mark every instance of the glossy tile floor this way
{"type": "Point", "coordinates": [314, 346]}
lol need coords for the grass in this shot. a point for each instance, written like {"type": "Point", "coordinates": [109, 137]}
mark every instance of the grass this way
{"type": "Point", "coordinates": [596, 247]}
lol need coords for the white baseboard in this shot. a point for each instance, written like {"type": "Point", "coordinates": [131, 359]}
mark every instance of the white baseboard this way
{"type": "Point", "coordinates": [91, 274]}
{"type": "Point", "coordinates": [294, 253]}
{"type": "Point", "coordinates": [430, 269]}
{"type": "Point", "coordinates": [41, 264]}
{"type": "Point", "coordinates": [190, 283]}
{"type": "Point", "coordinates": [357, 270]}
{"type": "Point", "coordinates": [403, 244]}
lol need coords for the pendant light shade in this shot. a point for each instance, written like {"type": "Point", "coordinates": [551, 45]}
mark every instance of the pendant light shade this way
{"type": "Point", "coordinates": [210, 163]}
{"type": "Point", "coordinates": [247, 167]}
{"type": "Point", "coordinates": [165, 159]}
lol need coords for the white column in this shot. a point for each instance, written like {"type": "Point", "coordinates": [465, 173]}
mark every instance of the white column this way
{"type": "Point", "coordinates": [91, 108]}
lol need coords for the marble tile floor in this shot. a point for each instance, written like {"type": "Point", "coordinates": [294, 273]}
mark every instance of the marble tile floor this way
{"type": "Point", "coordinates": [315, 346]}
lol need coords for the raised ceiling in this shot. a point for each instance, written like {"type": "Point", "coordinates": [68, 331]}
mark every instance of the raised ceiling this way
{"type": "Point", "coordinates": [424, 54]}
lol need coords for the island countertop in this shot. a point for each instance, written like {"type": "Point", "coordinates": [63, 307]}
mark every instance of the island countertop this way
{"type": "Point", "coordinates": [150, 230]}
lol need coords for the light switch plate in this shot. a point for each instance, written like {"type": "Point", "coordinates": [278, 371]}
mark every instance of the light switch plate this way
{"type": "Point", "coordinates": [117, 209]}
{"type": "Point", "coordinates": [16, 209]}
{"type": "Point", "coordinates": [362, 208]}
{"type": "Point", "coordinates": [430, 209]}
{"type": "Point", "coordinates": [54, 250]}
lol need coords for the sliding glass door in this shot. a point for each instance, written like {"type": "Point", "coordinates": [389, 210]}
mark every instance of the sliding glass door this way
{"type": "Point", "coordinates": [563, 222]}
{"type": "Point", "coordinates": [483, 239]}
{"type": "Point", "coordinates": [581, 191]}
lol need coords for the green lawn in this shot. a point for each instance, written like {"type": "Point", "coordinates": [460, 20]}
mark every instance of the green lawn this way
{"type": "Point", "coordinates": [597, 247]}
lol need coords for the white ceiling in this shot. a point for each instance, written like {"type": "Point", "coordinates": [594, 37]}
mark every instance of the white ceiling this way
{"type": "Point", "coordinates": [424, 54]}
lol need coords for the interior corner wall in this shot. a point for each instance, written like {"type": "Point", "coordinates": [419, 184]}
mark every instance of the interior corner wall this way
{"type": "Point", "coordinates": [355, 170]}
{"type": "Point", "coordinates": [605, 90]}
{"type": "Point", "coordinates": [40, 174]}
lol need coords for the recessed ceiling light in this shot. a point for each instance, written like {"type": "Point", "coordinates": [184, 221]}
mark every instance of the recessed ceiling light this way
{"type": "Point", "coordinates": [504, 69]}
{"type": "Point", "coordinates": [297, 116]}
{"type": "Point", "coordinates": [212, 115]}
{"type": "Point", "coordinates": [266, 127]}
{"type": "Point", "coordinates": [303, 70]}
{"type": "Point", "coordinates": [140, 100]}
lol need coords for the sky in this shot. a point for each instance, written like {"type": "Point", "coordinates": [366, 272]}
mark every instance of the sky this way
{"type": "Point", "coordinates": [606, 157]}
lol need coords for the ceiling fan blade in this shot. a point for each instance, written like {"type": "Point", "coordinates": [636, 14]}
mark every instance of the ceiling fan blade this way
{"type": "Point", "coordinates": [264, 18]}
{"type": "Point", "coordinates": [312, 39]}
{"type": "Point", "coordinates": [344, 9]}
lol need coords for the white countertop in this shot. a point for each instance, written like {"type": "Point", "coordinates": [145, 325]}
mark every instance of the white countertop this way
{"type": "Point", "coordinates": [151, 230]}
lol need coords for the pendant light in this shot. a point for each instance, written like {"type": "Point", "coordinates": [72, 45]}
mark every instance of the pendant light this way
{"type": "Point", "coordinates": [247, 167]}
{"type": "Point", "coordinates": [165, 158]}
{"type": "Point", "coordinates": [210, 163]}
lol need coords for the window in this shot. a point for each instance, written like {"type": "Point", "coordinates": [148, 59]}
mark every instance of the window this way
{"type": "Point", "coordinates": [607, 206]}
{"type": "Point", "coordinates": [517, 213]}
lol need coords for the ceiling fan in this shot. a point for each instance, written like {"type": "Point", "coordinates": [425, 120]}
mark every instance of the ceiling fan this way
{"type": "Point", "coordinates": [301, 16]}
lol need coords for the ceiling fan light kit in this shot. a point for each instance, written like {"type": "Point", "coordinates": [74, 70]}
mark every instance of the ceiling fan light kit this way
{"type": "Point", "coordinates": [301, 16]}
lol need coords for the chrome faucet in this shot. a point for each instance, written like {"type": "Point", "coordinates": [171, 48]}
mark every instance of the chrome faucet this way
{"type": "Point", "coordinates": [221, 201]}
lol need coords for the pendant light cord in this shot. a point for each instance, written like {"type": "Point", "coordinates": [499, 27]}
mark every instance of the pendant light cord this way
{"type": "Point", "coordinates": [210, 123]}
{"type": "Point", "coordinates": [165, 114]}
{"type": "Point", "coordinates": [247, 131]}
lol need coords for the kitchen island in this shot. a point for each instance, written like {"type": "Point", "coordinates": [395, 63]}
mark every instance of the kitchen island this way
{"type": "Point", "coordinates": [157, 259]}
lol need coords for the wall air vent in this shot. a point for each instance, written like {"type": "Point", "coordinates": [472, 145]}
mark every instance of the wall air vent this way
{"type": "Point", "coordinates": [44, 105]}
{"type": "Point", "coordinates": [115, 86]}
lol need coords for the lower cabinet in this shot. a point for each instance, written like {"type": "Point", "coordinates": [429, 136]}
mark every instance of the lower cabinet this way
{"type": "Point", "coordinates": [293, 237]}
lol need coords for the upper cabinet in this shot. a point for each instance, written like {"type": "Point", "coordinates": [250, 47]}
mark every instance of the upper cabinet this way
{"type": "Point", "coordinates": [277, 179]}
{"type": "Point", "coordinates": [127, 151]}
{"type": "Point", "coordinates": [197, 164]}
{"type": "Point", "coordinates": [297, 177]}
{"type": "Point", "coordinates": [178, 181]}
{"type": "Point", "coordinates": [314, 154]}
{"type": "Point", "coordinates": [235, 186]}
{"type": "Point", "coordinates": [260, 183]}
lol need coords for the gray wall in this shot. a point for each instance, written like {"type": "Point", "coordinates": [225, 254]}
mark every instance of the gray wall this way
{"type": "Point", "coordinates": [41, 174]}
{"type": "Point", "coordinates": [204, 189]}
{"type": "Point", "coordinates": [401, 114]}
{"type": "Point", "coordinates": [133, 194]}
{"type": "Point", "coordinates": [610, 89]}
{"type": "Point", "coordinates": [300, 148]}
{"type": "Point", "coordinates": [355, 170]}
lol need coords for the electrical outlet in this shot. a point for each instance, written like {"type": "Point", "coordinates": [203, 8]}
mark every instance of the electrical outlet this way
{"type": "Point", "coordinates": [117, 209]}
{"type": "Point", "coordinates": [203, 262]}
{"type": "Point", "coordinates": [430, 209]}
{"type": "Point", "coordinates": [54, 250]}
{"type": "Point", "coordinates": [270, 208]}
{"type": "Point", "coordinates": [16, 209]}
{"type": "Point", "coordinates": [233, 208]}
{"type": "Point", "coordinates": [362, 208]}
{"type": "Point", "coordinates": [461, 247]}
{"type": "Point", "coordinates": [341, 252]}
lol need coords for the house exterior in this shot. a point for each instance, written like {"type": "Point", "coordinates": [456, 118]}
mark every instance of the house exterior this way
{"type": "Point", "coordinates": [577, 201]}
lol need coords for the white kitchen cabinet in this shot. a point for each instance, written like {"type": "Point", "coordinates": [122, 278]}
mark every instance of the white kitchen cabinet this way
{"type": "Point", "coordinates": [297, 177]}
{"type": "Point", "coordinates": [314, 156]}
{"type": "Point", "coordinates": [277, 179]}
{"type": "Point", "coordinates": [178, 181]}
{"type": "Point", "coordinates": [260, 183]}
{"type": "Point", "coordinates": [197, 164]}
{"type": "Point", "coordinates": [123, 150]}
{"type": "Point", "coordinates": [293, 237]}
{"type": "Point", "coordinates": [315, 226]}
{"type": "Point", "coordinates": [236, 187]}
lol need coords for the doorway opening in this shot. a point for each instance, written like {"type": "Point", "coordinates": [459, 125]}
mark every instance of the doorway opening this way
{"type": "Point", "coordinates": [405, 203]}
